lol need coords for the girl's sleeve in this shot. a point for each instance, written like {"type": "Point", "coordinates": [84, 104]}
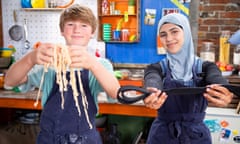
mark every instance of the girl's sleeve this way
{"type": "Point", "coordinates": [212, 74]}
{"type": "Point", "coordinates": [153, 76]}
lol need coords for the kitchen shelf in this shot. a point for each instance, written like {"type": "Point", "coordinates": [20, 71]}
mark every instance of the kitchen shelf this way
{"type": "Point", "coordinates": [42, 9]}
{"type": "Point", "coordinates": [132, 25]}
{"type": "Point", "coordinates": [112, 41]}
{"type": "Point", "coordinates": [115, 15]}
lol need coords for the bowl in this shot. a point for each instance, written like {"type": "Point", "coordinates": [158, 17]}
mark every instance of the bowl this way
{"type": "Point", "coordinates": [38, 3]}
{"type": "Point", "coordinates": [226, 73]}
{"type": "Point", "coordinates": [26, 4]}
{"type": "Point", "coordinates": [6, 52]}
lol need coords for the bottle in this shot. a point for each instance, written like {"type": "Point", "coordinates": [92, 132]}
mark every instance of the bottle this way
{"type": "Point", "coordinates": [105, 7]}
{"type": "Point", "coordinates": [208, 52]}
{"type": "Point", "coordinates": [224, 47]}
{"type": "Point", "coordinates": [111, 136]}
{"type": "Point", "coordinates": [1, 80]}
{"type": "Point", "coordinates": [236, 55]}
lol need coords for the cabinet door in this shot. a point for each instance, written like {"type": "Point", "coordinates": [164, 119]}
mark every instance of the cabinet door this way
{"type": "Point", "coordinates": [1, 29]}
{"type": "Point", "coordinates": [120, 22]}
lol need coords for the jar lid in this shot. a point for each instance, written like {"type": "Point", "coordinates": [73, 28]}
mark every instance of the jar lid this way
{"type": "Point", "coordinates": [207, 44]}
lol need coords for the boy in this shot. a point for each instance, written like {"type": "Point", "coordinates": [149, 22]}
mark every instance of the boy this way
{"type": "Point", "coordinates": [66, 124]}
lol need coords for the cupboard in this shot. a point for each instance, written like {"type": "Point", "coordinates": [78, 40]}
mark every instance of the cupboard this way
{"type": "Point", "coordinates": [120, 22]}
{"type": "Point", "coordinates": [1, 23]}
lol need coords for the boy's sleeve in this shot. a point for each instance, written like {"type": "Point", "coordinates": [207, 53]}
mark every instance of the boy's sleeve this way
{"type": "Point", "coordinates": [34, 79]}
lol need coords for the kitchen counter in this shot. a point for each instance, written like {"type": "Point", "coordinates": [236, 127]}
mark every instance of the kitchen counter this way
{"type": "Point", "coordinates": [129, 66]}
{"type": "Point", "coordinates": [10, 99]}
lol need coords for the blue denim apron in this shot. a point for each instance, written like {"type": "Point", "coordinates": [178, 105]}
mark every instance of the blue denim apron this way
{"type": "Point", "coordinates": [65, 126]}
{"type": "Point", "coordinates": [180, 119]}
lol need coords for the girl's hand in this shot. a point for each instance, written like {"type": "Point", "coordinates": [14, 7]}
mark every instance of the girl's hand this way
{"type": "Point", "coordinates": [218, 95]}
{"type": "Point", "coordinates": [156, 99]}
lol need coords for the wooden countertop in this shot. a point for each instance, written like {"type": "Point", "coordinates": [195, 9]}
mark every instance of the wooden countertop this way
{"type": "Point", "coordinates": [9, 99]}
{"type": "Point", "coordinates": [21, 101]}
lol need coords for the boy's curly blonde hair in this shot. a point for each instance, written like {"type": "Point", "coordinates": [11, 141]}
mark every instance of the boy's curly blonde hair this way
{"type": "Point", "coordinates": [78, 12]}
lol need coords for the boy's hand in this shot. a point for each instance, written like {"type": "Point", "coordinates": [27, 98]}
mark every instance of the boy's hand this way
{"type": "Point", "coordinates": [81, 58]}
{"type": "Point", "coordinates": [43, 54]}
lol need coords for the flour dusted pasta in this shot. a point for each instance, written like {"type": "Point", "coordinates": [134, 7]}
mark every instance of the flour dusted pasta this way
{"type": "Point", "coordinates": [61, 62]}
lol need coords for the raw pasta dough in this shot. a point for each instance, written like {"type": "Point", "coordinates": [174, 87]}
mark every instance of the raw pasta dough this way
{"type": "Point", "coordinates": [61, 62]}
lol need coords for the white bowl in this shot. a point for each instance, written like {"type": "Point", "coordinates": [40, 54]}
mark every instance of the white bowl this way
{"type": "Point", "coordinates": [226, 73]}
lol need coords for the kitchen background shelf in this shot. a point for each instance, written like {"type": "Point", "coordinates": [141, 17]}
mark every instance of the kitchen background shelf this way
{"type": "Point", "coordinates": [112, 15]}
{"type": "Point", "coordinates": [123, 13]}
{"type": "Point", "coordinates": [42, 9]}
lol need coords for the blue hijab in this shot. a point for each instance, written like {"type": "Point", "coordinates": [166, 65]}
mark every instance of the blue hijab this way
{"type": "Point", "coordinates": [182, 62]}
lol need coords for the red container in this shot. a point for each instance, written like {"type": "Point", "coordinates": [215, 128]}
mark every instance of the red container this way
{"type": "Point", "coordinates": [124, 35]}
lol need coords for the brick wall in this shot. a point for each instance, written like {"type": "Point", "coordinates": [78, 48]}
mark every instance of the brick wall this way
{"type": "Point", "coordinates": [215, 16]}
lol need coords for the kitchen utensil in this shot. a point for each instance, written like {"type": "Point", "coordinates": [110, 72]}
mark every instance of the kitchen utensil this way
{"type": "Point", "coordinates": [16, 31]}
{"type": "Point", "coordinates": [26, 43]}
{"type": "Point", "coordinates": [123, 98]}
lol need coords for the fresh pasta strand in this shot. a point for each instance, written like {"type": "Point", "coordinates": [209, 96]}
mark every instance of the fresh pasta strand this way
{"type": "Point", "coordinates": [74, 88]}
{"type": "Point", "coordinates": [84, 98]}
{"type": "Point", "coordinates": [58, 68]}
{"type": "Point", "coordinates": [41, 83]}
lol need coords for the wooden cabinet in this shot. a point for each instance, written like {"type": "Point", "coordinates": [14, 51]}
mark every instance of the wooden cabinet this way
{"type": "Point", "coordinates": [120, 16]}
{"type": "Point", "coordinates": [1, 25]}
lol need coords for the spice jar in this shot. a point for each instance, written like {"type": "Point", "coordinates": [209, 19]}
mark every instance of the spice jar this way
{"type": "Point", "coordinates": [124, 35]}
{"type": "Point", "coordinates": [236, 55]}
{"type": "Point", "coordinates": [208, 52]}
{"type": "Point", "coordinates": [224, 47]}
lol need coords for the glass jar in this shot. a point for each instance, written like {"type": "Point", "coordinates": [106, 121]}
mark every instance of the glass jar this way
{"type": "Point", "coordinates": [207, 52]}
{"type": "Point", "coordinates": [236, 55]}
{"type": "Point", "coordinates": [224, 47]}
